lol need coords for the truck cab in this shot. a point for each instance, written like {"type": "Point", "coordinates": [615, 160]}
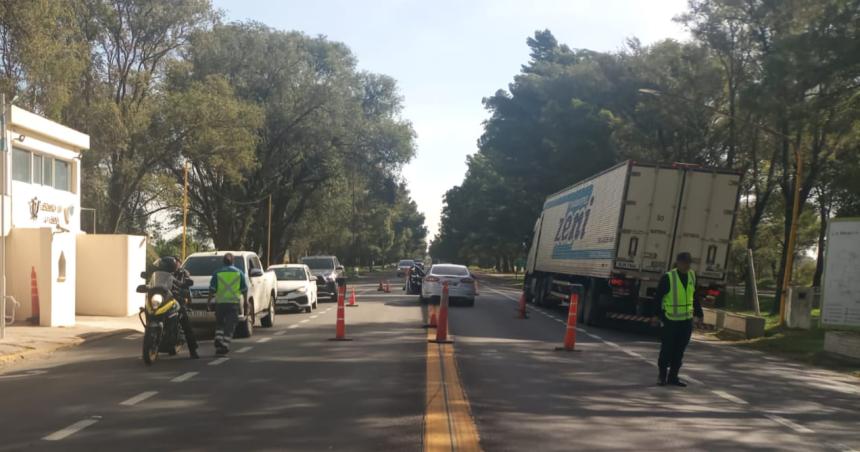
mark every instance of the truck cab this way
{"type": "Point", "coordinates": [261, 289]}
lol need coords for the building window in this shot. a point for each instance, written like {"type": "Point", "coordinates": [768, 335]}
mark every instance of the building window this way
{"type": "Point", "coordinates": [62, 175]}
{"type": "Point", "coordinates": [48, 171]}
{"type": "Point", "coordinates": [21, 165]}
{"type": "Point", "coordinates": [37, 169]}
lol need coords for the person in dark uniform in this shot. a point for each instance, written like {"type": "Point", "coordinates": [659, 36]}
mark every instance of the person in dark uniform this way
{"type": "Point", "coordinates": [181, 284]}
{"type": "Point", "coordinates": [678, 307]}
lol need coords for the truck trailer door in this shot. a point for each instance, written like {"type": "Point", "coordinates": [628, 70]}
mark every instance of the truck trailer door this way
{"type": "Point", "coordinates": [706, 219]}
{"type": "Point", "coordinates": [650, 208]}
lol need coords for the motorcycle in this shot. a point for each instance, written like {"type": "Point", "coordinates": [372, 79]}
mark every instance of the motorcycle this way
{"type": "Point", "coordinates": [160, 317]}
{"type": "Point", "coordinates": [414, 280]}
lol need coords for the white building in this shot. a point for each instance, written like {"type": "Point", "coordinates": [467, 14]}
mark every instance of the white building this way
{"type": "Point", "coordinates": [41, 228]}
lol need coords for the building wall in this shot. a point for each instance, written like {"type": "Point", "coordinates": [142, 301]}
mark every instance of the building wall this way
{"type": "Point", "coordinates": [108, 272]}
{"type": "Point", "coordinates": [39, 250]}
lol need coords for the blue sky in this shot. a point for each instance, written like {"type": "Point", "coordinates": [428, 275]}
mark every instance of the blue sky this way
{"type": "Point", "coordinates": [448, 55]}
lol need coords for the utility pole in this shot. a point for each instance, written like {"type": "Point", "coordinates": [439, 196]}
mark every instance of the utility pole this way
{"type": "Point", "coordinates": [3, 154]}
{"type": "Point", "coordinates": [184, 210]}
{"type": "Point", "coordinates": [792, 236]}
{"type": "Point", "coordinates": [269, 239]}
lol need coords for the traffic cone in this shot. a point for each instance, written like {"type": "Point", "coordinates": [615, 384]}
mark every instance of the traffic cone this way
{"type": "Point", "coordinates": [432, 323]}
{"type": "Point", "coordinates": [380, 288]}
{"type": "Point", "coordinates": [352, 302]}
{"type": "Point", "coordinates": [34, 297]}
{"type": "Point", "coordinates": [570, 334]}
{"type": "Point", "coordinates": [340, 331]}
{"type": "Point", "coordinates": [521, 308]}
{"type": "Point", "coordinates": [442, 326]}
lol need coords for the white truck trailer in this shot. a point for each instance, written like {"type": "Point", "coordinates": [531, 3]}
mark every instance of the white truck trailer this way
{"type": "Point", "coordinates": [617, 232]}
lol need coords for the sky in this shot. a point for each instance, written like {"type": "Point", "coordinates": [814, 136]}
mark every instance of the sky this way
{"type": "Point", "coordinates": [447, 55]}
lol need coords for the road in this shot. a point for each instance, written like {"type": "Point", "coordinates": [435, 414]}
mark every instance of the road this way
{"type": "Point", "coordinates": [290, 388]}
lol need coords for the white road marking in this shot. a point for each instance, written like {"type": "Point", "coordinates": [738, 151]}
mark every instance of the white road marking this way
{"type": "Point", "coordinates": [218, 361]}
{"type": "Point", "coordinates": [594, 336]}
{"type": "Point", "coordinates": [781, 420]}
{"type": "Point", "coordinates": [244, 349]}
{"type": "Point", "coordinates": [28, 373]}
{"type": "Point", "coordinates": [293, 326]}
{"type": "Point", "coordinates": [72, 429]}
{"type": "Point", "coordinates": [841, 447]}
{"type": "Point", "coordinates": [305, 320]}
{"type": "Point", "coordinates": [730, 397]}
{"type": "Point", "coordinates": [263, 340]}
{"type": "Point", "coordinates": [184, 377]}
{"type": "Point", "coordinates": [633, 354]}
{"type": "Point", "coordinates": [612, 344]}
{"type": "Point", "coordinates": [138, 398]}
{"type": "Point", "coordinates": [314, 316]}
{"type": "Point", "coordinates": [281, 333]}
{"type": "Point", "coordinates": [694, 380]}
{"type": "Point", "coordinates": [131, 337]}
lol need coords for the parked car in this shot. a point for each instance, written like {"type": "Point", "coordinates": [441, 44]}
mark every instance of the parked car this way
{"type": "Point", "coordinates": [329, 274]}
{"type": "Point", "coordinates": [461, 284]}
{"type": "Point", "coordinates": [403, 266]}
{"type": "Point", "coordinates": [297, 287]}
{"type": "Point", "coordinates": [261, 289]}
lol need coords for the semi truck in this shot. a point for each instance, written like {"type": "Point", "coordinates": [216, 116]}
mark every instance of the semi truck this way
{"type": "Point", "coordinates": [612, 236]}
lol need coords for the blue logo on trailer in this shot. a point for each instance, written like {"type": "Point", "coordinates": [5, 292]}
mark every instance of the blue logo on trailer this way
{"type": "Point", "coordinates": [573, 225]}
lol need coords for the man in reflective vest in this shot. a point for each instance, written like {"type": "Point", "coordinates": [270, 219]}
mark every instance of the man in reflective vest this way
{"type": "Point", "coordinates": [678, 307]}
{"type": "Point", "coordinates": [229, 289]}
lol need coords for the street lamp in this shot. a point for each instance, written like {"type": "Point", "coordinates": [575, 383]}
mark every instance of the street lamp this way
{"type": "Point", "coordinates": [798, 177]}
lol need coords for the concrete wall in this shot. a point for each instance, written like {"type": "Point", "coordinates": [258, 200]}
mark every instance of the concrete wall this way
{"type": "Point", "coordinates": [108, 271]}
{"type": "Point", "coordinates": [41, 250]}
{"type": "Point", "coordinates": [843, 343]}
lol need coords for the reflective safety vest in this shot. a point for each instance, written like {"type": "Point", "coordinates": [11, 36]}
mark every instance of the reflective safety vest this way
{"type": "Point", "coordinates": [678, 302]}
{"type": "Point", "coordinates": [229, 288]}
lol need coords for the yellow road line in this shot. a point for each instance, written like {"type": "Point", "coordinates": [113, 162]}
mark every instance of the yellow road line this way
{"type": "Point", "coordinates": [448, 424]}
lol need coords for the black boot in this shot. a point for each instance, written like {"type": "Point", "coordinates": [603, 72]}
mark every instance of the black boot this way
{"type": "Point", "coordinates": [193, 353]}
{"type": "Point", "coordinates": [677, 382]}
{"type": "Point", "coordinates": [661, 379]}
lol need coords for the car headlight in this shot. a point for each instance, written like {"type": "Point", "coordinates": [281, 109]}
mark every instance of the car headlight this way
{"type": "Point", "coordinates": [155, 301]}
{"type": "Point", "coordinates": [302, 289]}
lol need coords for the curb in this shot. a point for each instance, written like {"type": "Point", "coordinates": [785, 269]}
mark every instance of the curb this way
{"type": "Point", "coordinates": [28, 351]}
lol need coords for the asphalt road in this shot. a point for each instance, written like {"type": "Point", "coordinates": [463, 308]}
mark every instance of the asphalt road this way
{"type": "Point", "coordinates": [290, 388]}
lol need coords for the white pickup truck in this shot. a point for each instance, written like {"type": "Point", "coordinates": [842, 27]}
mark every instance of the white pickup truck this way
{"type": "Point", "coordinates": [262, 286]}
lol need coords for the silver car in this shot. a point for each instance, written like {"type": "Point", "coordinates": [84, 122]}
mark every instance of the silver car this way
{"type": "Point", "coordinates": [461, 284]}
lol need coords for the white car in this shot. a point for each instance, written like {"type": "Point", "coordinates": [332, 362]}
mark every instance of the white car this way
{"type": "Point", "coordinates": [461, 284]}
{"type": "Point", "coordinates": [297, 287]}
{"type": "Point", "coordinates": [261, 289]}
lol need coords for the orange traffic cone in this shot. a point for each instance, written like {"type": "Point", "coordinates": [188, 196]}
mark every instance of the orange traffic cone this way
{"type": "Point", "coordinates": [352, 302]}
{"type": "Point", "coordinates": [433, 321]}
{"type": "Point", "coordinates": [521, 308]}
{"type": "Point", "coordinates": [34, 297]}
{"type": "Point", "coordinates": [570, 335]}
{"type": "Point", "coordinates": [340, 331]}
{"type": "Point", "coordinates": [442, 327]}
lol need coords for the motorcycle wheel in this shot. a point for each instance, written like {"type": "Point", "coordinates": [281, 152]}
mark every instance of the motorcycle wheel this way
{"type": "Point", "coordinates": [150, 347]}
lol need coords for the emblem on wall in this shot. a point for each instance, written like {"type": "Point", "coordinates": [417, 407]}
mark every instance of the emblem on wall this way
{"type": "Point", "coordinates": [35, 206]}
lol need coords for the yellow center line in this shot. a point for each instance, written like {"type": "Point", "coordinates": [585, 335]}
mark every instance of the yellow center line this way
{"type": "Point", "coordinates": [448, 423]}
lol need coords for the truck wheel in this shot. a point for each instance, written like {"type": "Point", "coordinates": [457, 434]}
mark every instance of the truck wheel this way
{"type": "Point", "coordinates": [246, 328]}
{"type": "Point", "coordinates": [269, 320]}
{"type": "Point", "coordinates": [542, 291]}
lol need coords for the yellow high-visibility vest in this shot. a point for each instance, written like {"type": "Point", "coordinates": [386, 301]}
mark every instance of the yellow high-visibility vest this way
{"type": "Point", "coordinates": [229, 288]}
{"type": "Point", "coordinates": [678, 302]}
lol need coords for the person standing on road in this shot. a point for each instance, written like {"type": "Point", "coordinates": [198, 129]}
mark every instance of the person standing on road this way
{"type": "Point", "coordinates": [678, 308]}
{"type": "Point", "coordinates": [229, 289]}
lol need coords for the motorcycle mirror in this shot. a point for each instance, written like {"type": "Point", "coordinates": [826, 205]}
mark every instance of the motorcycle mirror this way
{"type": "Point", "coordinates": [142, 288]}
{"type": "Point", "coordinates": [143, 275]}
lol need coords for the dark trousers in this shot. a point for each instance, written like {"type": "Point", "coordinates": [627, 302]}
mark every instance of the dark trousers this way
{"type": "Point", "coordinates": [675, 337]}
{"type": "Point", "coordinates": [226, 318]}
{"type": "Point", "coordinates": [187, 330]}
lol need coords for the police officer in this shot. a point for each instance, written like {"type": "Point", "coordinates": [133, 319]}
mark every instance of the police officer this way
{"type": "Point", "coordinates": [229, 289]}
{"type": "Point", "coordinates": [678, 308]}
{"type": "Point", "coordinates": [181, 282]}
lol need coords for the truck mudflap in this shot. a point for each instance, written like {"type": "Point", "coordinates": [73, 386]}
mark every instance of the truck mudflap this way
{"type": "Point", "coordinates": [627, 317]}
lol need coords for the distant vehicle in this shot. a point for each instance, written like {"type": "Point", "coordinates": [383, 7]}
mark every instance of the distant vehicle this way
{"type": "Point", "coordinates": [403, 266]}
{"type": "Point", "coordinates": [297, 287]}
{"type": "Point", "coordinates": [617, 232]}
{"type": "Point", "coordinates": [329, 274]}
{"type": "Point", "coordinates": [461, 284]}
{"type": "Point", "coordinates": [261, 289]}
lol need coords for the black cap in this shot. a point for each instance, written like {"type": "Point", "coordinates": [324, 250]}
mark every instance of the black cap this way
{"type": "Point", "coordinates": [684, 257]}
{"type": "Point", "coordinates": [228, 259]}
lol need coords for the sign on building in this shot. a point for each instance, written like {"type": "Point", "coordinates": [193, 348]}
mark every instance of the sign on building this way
{"type": "Point", "coordinates": [841, 296]}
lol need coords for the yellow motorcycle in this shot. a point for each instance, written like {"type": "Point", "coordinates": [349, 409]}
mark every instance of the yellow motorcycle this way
{"type": "Point", "coordinates": [160, 317]}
